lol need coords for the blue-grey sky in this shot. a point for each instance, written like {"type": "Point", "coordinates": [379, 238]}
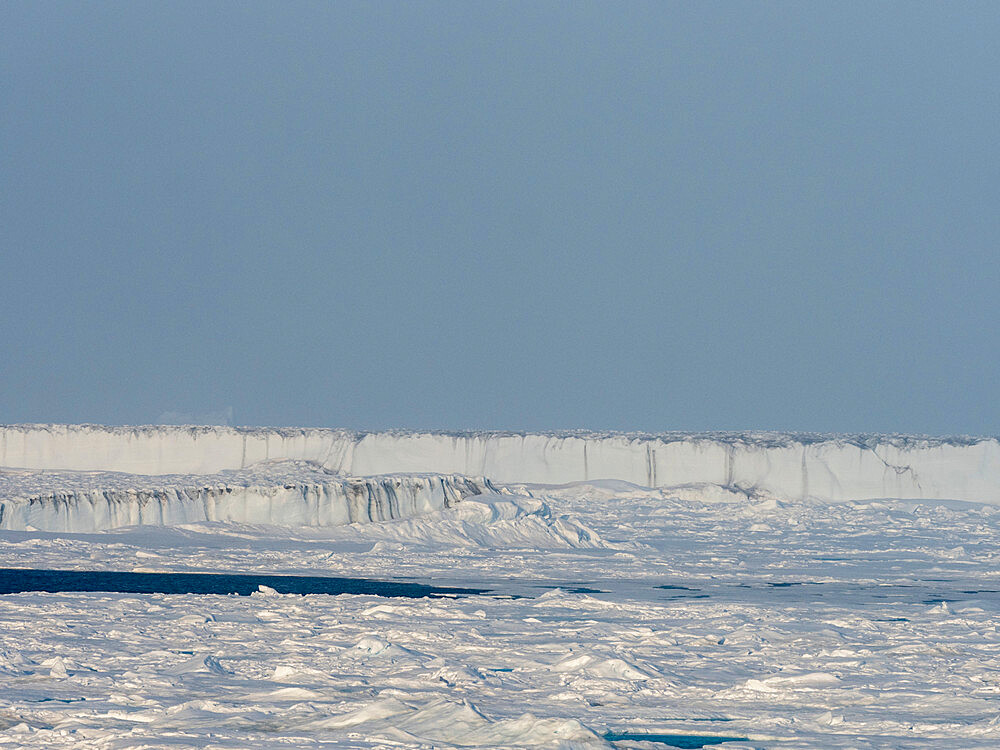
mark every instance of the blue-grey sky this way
{"type": "Point", "coordinates": [514, 215]}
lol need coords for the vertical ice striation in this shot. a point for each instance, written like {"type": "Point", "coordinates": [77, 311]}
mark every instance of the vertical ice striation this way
{"type": "Point", "coordinates": [824, 467]}
{"type": "Point", "coordinates": [98, 502]}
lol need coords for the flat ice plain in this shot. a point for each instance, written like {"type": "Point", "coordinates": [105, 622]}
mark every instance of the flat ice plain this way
{"type": "Point", "coordinates": [798, 591]}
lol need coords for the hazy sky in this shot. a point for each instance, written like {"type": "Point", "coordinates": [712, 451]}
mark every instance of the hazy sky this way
{"type": "Point", "coordinates": [509, 215]}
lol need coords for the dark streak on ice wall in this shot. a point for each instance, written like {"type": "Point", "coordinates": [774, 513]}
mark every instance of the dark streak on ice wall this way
{"type": "Point", "coordinates": [823, 467]}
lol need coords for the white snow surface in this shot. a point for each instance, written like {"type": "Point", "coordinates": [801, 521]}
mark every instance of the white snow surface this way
{"type": "Point", "coordinates": [793, 624]}
{"type": "Point", "coordinates": [797, 466]}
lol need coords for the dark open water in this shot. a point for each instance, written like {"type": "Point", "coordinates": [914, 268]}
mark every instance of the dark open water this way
{"type": "Point", "coordinates": [16, 580]}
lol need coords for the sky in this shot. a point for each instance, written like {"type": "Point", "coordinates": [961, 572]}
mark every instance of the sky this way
{"type": "Point", "coordinates": [510, 215]}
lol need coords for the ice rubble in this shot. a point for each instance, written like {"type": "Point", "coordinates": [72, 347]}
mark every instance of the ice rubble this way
{"type": "Point", "coordinates": [796, 466]}
{"type": "Point", "coordinates": [280, 493]}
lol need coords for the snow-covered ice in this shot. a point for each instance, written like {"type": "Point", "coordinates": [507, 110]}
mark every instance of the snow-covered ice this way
{"type": "Point", "coordinates": [697, 606]}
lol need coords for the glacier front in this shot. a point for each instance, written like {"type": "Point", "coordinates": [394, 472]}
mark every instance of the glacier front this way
{"type": "Point", "coordinates": [827, 468]}
{"type": "Point", "coordinates": [284, 493]}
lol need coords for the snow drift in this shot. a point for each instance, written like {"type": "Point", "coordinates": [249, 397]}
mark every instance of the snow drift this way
{"type": "Point", "coordinates": [796, 466]}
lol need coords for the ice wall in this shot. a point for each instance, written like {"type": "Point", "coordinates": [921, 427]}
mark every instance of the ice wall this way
{"type": "Point", "coordinates": [108, 502]}
{"type": "Point", "coordinates": [824, 467]}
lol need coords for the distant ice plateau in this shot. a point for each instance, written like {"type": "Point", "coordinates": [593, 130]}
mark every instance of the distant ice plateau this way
{"type": "Point", "coordinates": [826, 468]}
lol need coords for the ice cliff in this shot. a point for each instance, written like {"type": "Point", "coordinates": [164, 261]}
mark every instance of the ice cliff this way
{"type": "Point", "coordinates": [280, 493]}
{"type": "Point", "coordinates": [823, 467]}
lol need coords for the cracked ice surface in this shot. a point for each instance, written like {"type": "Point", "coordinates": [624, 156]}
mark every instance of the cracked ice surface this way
{"type": "Point", "coordinates": [710, 611]}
